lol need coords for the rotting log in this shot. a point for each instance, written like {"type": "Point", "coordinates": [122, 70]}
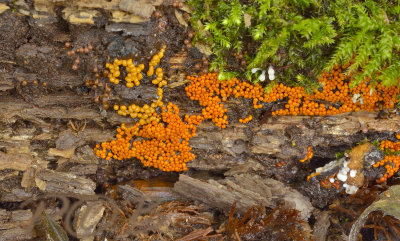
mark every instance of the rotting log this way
{"type": "Point", "coordinates": [246, 191]}
{"type": "Point", "coordinates": [13, 225]}
{"type": "Point", "coordinates": [35, 117]}
{"type": "Point", "coordinates": [57, 182]}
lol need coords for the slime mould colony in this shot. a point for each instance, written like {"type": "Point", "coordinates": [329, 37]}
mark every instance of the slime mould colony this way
{"type": "Point", "coordinates": [164, 135]}
{"type": "Point", "coordinates": [351, 175]}
{"type": "Point", "coordinates": [166, 145]}
{"type": "Point", "coordinates": [309, 154]}
{"type": "Point", "coordinates": [390, 161]}
{"type": "Point", "coordinates": [146, 113]}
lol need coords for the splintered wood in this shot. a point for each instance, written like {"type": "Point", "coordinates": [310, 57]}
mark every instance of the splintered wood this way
{"type": "Point", "coordinates": [246, 190]}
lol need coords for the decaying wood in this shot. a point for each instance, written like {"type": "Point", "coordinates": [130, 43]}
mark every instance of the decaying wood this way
{"type": "Point", "coordinates": [59, 182]}
{"type": "Point", "coordinates": [19, 162]}
{"type": "Point", "coordinates": [321, 226]}
{"type": "Point", "coordinates": [246, 190]}
{"type": "Point", "coordinates": [85, 11]}
{"type": "Point", "coordinates": [236, 140]}
{"type": "Point", "coordinates": [46, 148]}
{"type": "Point", "coordinates": [131, 194]}
{"type": "Point", "coordinates": [51, 107]}
{"type": "Point", "coordinates": [87, 218]}
{"type": "Point", "coordinates": [13, 225]}
{"type": "Point", "coordinates": [6, 82]}
{"type": "Point", "coordinates": [325, 134]}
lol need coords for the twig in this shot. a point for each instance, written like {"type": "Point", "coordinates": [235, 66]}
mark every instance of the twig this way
{"type": "Point", "coordinates": [7, 61]}
{"type": "Point", "coordinates": [237, 235]}
{"type": "Point", "coordinates": [196, 234]}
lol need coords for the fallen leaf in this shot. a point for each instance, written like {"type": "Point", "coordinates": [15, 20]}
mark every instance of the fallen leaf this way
{"type": "Point", "coordinates": [204, 49]}
{"type": "Point", "coordinates": [177, 80]}
{"type": "Point", "coordinates": [3, 7]}
{"type": "Point", "coordinates": [186, 8]}
{"type": "Point", "coordinates": [180, 18]}
{"type": "Point", "coordinates": [202, 31]}
{"type": "Point", "coordinates": [247, 20]}
{"type": "Point", "coordinates": [388, 203]}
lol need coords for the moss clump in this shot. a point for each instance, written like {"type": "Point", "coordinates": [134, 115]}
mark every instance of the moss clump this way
{"type": "Point", "coordinates": [301, 38]}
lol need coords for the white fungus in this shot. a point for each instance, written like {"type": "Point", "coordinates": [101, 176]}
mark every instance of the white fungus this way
{"type": "Point", "coordinates": [353, 173]}
{"type": "Point", "coordinates": [342, 177]}
{"type": "Point", "coordinates": [350, 189]}
{"type": "Point", "coordinates": [262, 76]}
{"type": "Point", "coordinates": [271, 71]}
{"type": "Point", "coordinates": [271, 77]}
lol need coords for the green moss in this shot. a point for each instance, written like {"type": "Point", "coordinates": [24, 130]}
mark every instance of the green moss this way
{"type": "Point", "coordinates": [301, 38]}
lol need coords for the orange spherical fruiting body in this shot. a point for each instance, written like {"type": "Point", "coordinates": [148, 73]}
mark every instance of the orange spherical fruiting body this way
{"type": "Point", "coordinates": [133, 77]}
{"type": "Point", "coordinates": [334, 97]}
{"type": "Point", "coordinates": [165, 146]}
{"type": "Point", "coordinates": [309, 154]}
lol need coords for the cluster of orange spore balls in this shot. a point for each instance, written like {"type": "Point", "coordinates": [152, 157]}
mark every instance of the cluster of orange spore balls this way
{"type": "Point", "coordinates": [309, 154]}
{"type": "Point", "coordinates": [326, 182]}
{"type": "Point", "coordinates": [133, 76]}
{"type": "Point", "coordinates": [247, 119]}
{"type": "Point", "coordinates": [165, 145]}
{"type": "Point", "coordinates": [210, 93]}
{"type": "Point", "coordinates": [146, 113]}
{"type": "Point", "coordinates": [335, 97]}
{"type": "Point", "coordinates": [391, 161]}
{"type": "Point", "coordinates": [280, 164]}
